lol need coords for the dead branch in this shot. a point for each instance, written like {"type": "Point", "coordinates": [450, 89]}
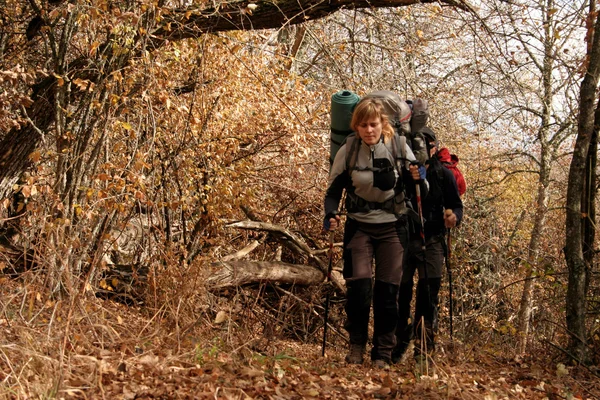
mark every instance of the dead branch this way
{"type": "Point", "coordinates": [243, 252]}
{"type": "Point", "coordinates": [237, 273]}
{"type": "Point", "coordinates": [294, 243]}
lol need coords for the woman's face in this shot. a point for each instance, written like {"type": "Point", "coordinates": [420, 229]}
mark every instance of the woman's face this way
{"type": "Point", "coordinates": [370, 131]}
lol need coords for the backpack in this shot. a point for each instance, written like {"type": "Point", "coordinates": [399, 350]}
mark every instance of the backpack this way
{"type": "Point", "coordinates": [450, 161]}
{"type": "Point", "coordinates": [407, 118]}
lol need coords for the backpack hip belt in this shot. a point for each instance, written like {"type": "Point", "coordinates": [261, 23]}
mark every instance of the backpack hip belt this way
{"type": "Point", "coordinates": [356, 203]}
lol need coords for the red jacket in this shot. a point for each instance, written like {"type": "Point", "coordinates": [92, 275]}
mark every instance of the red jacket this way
{"type": "Point", "coordinates": [451, 162]}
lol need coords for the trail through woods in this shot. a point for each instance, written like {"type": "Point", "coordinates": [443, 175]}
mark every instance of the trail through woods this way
{"type": "Point", "coordinates": [113, 351]}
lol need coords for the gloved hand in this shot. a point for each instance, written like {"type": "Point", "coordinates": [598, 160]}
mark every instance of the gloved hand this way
{"type": "Point", "coordinates": [418, 172]}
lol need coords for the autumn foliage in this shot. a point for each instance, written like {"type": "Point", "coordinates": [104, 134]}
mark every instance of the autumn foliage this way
{"type": "Point", "coordinates": [147, 149]}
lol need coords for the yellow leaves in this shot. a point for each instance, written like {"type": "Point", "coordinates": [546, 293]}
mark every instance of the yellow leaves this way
{"type": "Point", "coordinates": [139, 165]}
{"type": "Point", "coordinates": [84, 84]}
{"type": "Point", "coordinates": [26, 101]}
{"type": "Point", "coordinates": [221, 317]}
{"type": "Point", "coordinates": [561, 370]}
{"type": "Point", "coordinates": [29, 191]}
{"type": "Point", "coordinates": [55, 13]}
{"type": "Point", "coordinates": [163, 97]}
{"type": "Point", "coordinates": [507, 329]}
{"type": "Point", "coordinates": [59, 80]}
{"type": "Point", "coordinates": [104, 285]}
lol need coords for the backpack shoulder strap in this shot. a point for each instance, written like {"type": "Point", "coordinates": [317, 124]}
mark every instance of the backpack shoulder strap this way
{"type": "Point", "coordinates": [399, 147]}
{"type": "Point", "coordinates": [352, 148]}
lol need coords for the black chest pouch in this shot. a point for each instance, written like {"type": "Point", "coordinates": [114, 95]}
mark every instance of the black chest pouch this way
{"type": "Point", "coordinates": [384, 177]}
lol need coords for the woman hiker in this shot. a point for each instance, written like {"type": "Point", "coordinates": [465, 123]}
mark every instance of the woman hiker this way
{"type": "Point", "coordinates": [372, 167]}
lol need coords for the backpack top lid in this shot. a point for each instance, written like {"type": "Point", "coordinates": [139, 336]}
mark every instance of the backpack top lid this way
{"type": "Point", "coordinates": [420, 114]}
{"type": "Point", "coordinates": [397, 110]}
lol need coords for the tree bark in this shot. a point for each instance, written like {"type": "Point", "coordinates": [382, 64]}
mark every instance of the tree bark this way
{"type": "Point", "coordinates": [237, 273]}
{"type": "Point", "coordinates": [17, 145]}
{"type": "Point", "coordinates": [546, 148]}
{"type": "Point", "coordinates": [578, 269]}
{"type": "Point", "coordinates": [234, 15]}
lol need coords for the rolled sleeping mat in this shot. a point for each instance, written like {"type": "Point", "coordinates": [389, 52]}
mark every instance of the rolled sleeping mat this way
{"type": "Point", "coordinates": [342, 105]}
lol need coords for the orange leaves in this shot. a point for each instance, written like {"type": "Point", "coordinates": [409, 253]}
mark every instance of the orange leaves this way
{"type": "Point", "coordinates": [84, 84]}
{"type": "Point", "coordinates": [103, 177]}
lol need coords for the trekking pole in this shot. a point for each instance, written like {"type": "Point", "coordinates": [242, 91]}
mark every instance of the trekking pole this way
{"type": "Point", "coordinates": [327, 297]}
{"type": "Point", "coordinates": [424, 250]}
{"type": "Point", "coordinates": [449, 252]}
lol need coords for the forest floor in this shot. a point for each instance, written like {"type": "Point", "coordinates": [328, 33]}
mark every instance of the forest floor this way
{"type": "Point", "coordinates": [99, 349]}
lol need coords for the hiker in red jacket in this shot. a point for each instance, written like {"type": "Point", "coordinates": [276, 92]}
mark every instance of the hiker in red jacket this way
{"type": "Point", "coordinates": [442, 209]}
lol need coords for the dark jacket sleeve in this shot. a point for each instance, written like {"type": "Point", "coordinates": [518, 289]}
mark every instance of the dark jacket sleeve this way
{"type": "Point", "coordinates": [334, 194]}
{"type": "Point", "coordinates": [339, 179]}
{"type": "Point", "coordinates": [452, 199]}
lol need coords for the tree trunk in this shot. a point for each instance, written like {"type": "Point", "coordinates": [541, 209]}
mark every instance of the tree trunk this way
{"type": "Point", "coordinates": [578, 269]}
{"type": "Point", "coordinates": [532, 259]}
{"type": "Point", "coordinates": [541, 204]}
{"type": "Point", "coordinates": [588, 207]}
{"type": "Point", "coordinates": [18, 144]}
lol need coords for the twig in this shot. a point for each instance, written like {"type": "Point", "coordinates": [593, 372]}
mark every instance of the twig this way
{"type": "Point", "coordinates": [572, 356]}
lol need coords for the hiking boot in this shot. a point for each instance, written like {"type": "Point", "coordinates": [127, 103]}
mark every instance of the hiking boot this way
{"type": "Point", "coordinates": [356, 354]}
{"type": "Point", "coordinates": [380, 364]}
{"type": "Point", "coordinates": [398, 352]}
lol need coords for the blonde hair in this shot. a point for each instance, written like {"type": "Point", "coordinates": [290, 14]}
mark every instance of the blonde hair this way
{"type": "Point", "coordinates": [368, 109]}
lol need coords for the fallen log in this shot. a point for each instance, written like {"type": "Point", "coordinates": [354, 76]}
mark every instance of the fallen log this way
{"type": "Point", "coordinates": [237, 273]}
{"type": "Point", "coordinates": [267, 270]}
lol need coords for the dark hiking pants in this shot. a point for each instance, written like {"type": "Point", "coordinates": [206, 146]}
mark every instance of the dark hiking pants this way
{"type": "Point", "coordinates": [425, 322]}
{"type": "Point", "coordinates": [362, 243]}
